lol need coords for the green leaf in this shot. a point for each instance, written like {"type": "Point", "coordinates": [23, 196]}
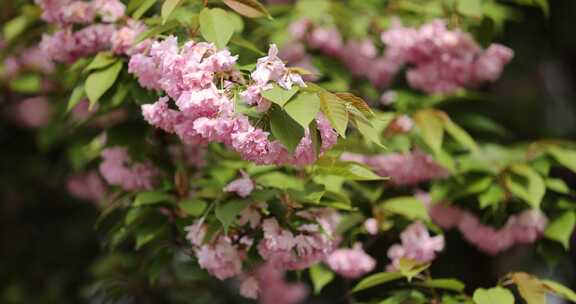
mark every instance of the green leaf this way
{"type": "Point", "coordinates": [557, 185]}
{"type": "Point", "coordinates": [459, 134]}
{"type": "Point", "coordinates": [377, 279]}
{"type": "Point", "coordinates": [431, 128]}
{"type": "Point", "coordinates": [193, 207]}
{"type": "Point", "coordinates": [559, 290]}
{"type": "Point", "coordinates": [566, 158]}
{"type": "Point", "coordinates": [241, 42]}
{"type": "Point", "coordinates": [492, 196]}
{"type": "Point", "coordinates": [561, 229]}
{"type": "Point", "coordinates": [167, 8]}
{"type": "Point", "coordinates": [530, 288]}
{"type": "Point", "coordinates": [365, 127]}
{"type": "Point", "coordinates": [532, 190]}
{"type": "Point", "coordinates": [285, 129]}
{"type": "Point", "coordinates": [13, 28]}
{"type": "Point", "coordinates": [411, 268]}
{"type": "Point", "coordinates": [147, 234]}
{"type": "Point", "coordinates": [335, 110]}
{"type": "Point", "coordinates": [448, 284]}
{"type": "Point", "coordinates": [143, 8]}
{"type": "Point", "coordinates": [471, 8]}
{"type": "Point", "coordinates": [170, 25]}
{"type": "Point", "coordinates": [281, 181]}
{"type": "Point", "coordinates": [303, 108]}
{"type": "Point", "coordinates": [496, 295]}
{"type": "Point", "coordinates": [226, 212]}
{"type": "Point", "coordinates": [27, 83]}
{"type": "Point", "coordinates": [408, 206]}
{"type": "Point", "coordinates": [98, 82]}
{"type": "Point", "coordinates": [152, 197]}
{"type": "Point", "coordinates": [75, 97]}
{"type": "Point", "coordinates": [216, 26]}
{"type": "Point", "coordinates": [279, 95]}
{"type": "Point", "coordinates": [320, 277]}
{"type": "Point", "coordinates": [101, 60]}
{"type": "Point", "coordinates": [248, 8]}
{"type": "Point", "coordinates": [349, 171]}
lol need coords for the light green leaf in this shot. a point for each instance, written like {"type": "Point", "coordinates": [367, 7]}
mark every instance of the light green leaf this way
{"type": "Point", "coordinates": [459, 134]}
{"type": "Point", "coordinates": [558, 185]}
{"type": "Point", "coordinates": [75, 97]}
{"type": "Point", "coordinates": [143, 8]}
{"type": "Point", "coordinates": [13, 28]}
{"type": "Point", "coordinates": [216, 26]}
{"type": "Point", "coordinates": [532, 190]}
{"type": "Point", "coordinates": [248, 8]}
{"type": "Point", "coordinates": [565, 157]}
{"type": "Point", "coordinates": [431, 129]}
{"type": "Point", "coordinates": [285, 129]}
{"type": "Point", "coordinates": [281, 181]}
{"type": "Point", "coordinates": [377, 279]}
{"type": "Point", "coordinates": [561, 229]}
{"type": "Point", "coordinates": [303, 108]}
{"type": "Point", "coordinates": [529, 287]}
{"type": "Point", "coordinates": [411, 268]}
{"type": "Point", "coordinates": [320, 277]}
{"type": "Point", "coordinates": [227, 212]}
{"type": "Point", "coordinates": [98, 82]}
{"type": "Point", "coordinates": [101, 60]}
{"type": "Point", "coordinates": [471, 8]}
{"type": "Point", "coordinates": [279, 95]}
{"type": "Point", "coordinates": [349, 171]}
{"type": "Point", "coordinates": [193, 207]}
{"type": "Point", "coordinates": [496, 295]}
{"type": "Point", "coordinates": [448, 284]}
{"type": "Point", "coordinates": [492, 196]}
{"type": "Point", "coordinates": [335, 110]}
{"type": "Point", "coordinates": [408, 206]}
{"type": "Point", "coordinates": [27, 83]}
{"type": "Point", "coordinates": [366, 128]}
{"type": "Point", "coordinates": [167, 8]}
{"type": "Point", "coordinates": [241, 42]}
{"type": "Point", "coordinates": [559, 290]}
{"type": "Point", "coordinates": [152, 197]}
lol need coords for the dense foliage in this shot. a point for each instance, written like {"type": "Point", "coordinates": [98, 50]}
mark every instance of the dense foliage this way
{"type": "Point", "coordinates": [287, 152]}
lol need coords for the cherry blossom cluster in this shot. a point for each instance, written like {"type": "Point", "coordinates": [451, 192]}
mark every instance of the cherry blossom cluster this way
{"type": "Point", "coordinates": [417, 245]}
{"type": "Point", "coordinates": [118, 169]}
{"type": "Point", "coordinates": [86, 186]}
{"type": "Point", "coordinates": [284, 249]}
{"type": "Point", "coordinates": [443, 60]}
{"type": "Point", "coordinates": [403, 169]}
{"type": "Point", "coordinates": [351, 262]}
{"type": "Point", "coordinates": [67, 45]}
{"type": "Point", "coordinates": [28, 59]}
{"type": "Point", "coordinates": [523, 228]}
{"type": "Point", "coordinates": [204, 113]}
{"type": "Point", "coordinates": [268, 285]}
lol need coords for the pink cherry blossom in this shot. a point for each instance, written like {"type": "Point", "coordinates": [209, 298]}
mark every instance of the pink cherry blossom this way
{"type": "Point", "coordinates": [242, 186]}
{"type": "Point", "coordinates": [351, 263]}
{"type": "Point", "coordinates": [109, 10]}
{"type": "Point", "coordinates": [371, 226]}
{"type": "Point", "coordinates": [86, 186]}
{"type": "Point", "coordinates": [417, 244]}
{"type": "Point", "coordinates": [118, 170]}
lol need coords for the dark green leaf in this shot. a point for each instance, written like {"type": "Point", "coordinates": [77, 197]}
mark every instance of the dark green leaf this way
{"type": "Point", "coordinates": [193, 207]}
{"type": "Point", "coordinates": [377, 279]}
{"type": "Point", "coordinates": [285, 129]}
{"type": "Point", "coordinates": [227, 212]}
{"type": "Point", "coordinates": [448, 284]}
{"type": "Point", "coordinates": [152, 197]}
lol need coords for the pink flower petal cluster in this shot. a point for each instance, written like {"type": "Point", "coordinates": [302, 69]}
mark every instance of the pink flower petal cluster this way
{"type": "Point", "coordinates": [220, 257]}
{"type": "Point", "coordinates": [242, 186]}
{"type": "Point", "coordinates": [66, 12]}
{"type": "Point", "coordinates": [444, 60]}
{"type": "Point", "coordinates": [29, 59]}
{"type": "Point", "coordinates": [86, 186]}
{"type": "Point", "coordinates": [33, 112]}
{"type": "Point", "coordinates": [67, 46]}
{"type": "Point", "coordinates": [371, 226]}
{"type": "Point", "coordinates": [351, 262]}
{"type": "Point", "coordinates": [402, 168]}
{"type": "Point", "coordinates": [269, 69]}
{"type": "Point", "coordinates": [118, 170]}
{"type": "Point", "coordinates": [204, 113]}
{"type": "Point", "coordinates": [268, 285]}
{"type": "Point", "coordinates": [523, 228]}
{"type": "Point", "coordinates": [311, 244]}
{"type": "Point", "coordinates": [123, 40]}
{"type": "Point", "coordinates": [417, 245]}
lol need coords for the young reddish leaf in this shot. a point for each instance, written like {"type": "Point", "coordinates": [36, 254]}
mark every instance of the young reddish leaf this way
{"type": "Point", "coordinates": [248, 8]}
{"type": "Point", "coordinates": [335, 110]}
